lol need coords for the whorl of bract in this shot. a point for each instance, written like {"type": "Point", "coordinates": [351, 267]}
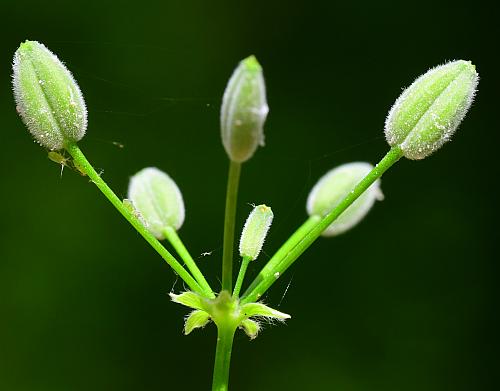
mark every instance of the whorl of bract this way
{"type": "Point", "coordinates": [47, 97]}
{"type": "Point", "coordinates": [427, 113]}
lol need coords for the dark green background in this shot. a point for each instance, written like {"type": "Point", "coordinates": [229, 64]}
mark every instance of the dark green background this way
{"type": "Point", "coordinates": [406, 301]}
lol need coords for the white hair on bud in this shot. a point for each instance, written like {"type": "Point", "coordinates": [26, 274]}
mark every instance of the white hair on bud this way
{"type": "Point", "coordinates": [333, 187]}
{"type": "Point", "coordinates": [429, 111]}
{"type": "Point", "coordinates": [158, 199]}
{"type": "Point", "coordinates": [255, 231]}
{"type": "Point", "coordinates": [47, 97]}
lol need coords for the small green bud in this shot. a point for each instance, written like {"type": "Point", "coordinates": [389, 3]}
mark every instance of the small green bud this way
{"type": "Point", "coordinates": [333, 187]}
{"type": "Point", "coordinates": [244, 111]}
{"type": "Point", "coordinates": [427, 113]}
{"type": "Point", "coordinates": [158, 200]}
{"type": "Point", "coordinates": [255, 231]}
{"type": "Point", "coordinates": [47, 97]}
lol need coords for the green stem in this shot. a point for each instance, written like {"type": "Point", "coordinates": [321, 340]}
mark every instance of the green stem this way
{"type": "Point", "coordinates": [241, 275]}
{"type": "Point", "coordinates": [229, 222]}
{"type": "Point", "coordinates": [283, 259]}
{"type": "Point", "coordinates": [268, 270]}
{"type": "Point", "coordinates": [174, 239]}
{"type": "Point", "coordinates": [83, 165]}
{"type": "Point", "coordinates": [225, 336]}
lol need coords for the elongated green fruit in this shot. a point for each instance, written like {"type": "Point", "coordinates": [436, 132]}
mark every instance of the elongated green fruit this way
{"type": "Point", "coordinates": [158, 199]}
{"type": "Point", "coordinates": [255, 231]}
{"type": "Point", "coordinates": [428, 112]}
{"type": "Point", "coordinates": [333, 187]}
{"type": "Point", "coordinates": [47, 97]}
{"type": "Point", "coordinates": [244, 111]}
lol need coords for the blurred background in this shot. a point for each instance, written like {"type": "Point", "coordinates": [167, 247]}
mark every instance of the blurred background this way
{"type": "Point", "coordinates": [406, 301]}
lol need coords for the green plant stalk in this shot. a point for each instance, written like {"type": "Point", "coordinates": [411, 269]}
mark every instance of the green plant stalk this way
{"type": "Point", "coordinates": [83, 164]}
{"type": "Point", "coordinates": [283, 259]}
{"type": "Point", "coordinates": [241, 275]}
{"type": "Point", "coordinates": [268, 270]}
{"type": "Point", "coordinates": [229, 223]}
{"type": "Point", "coordinates": [225, 336]}
{"type": "Point", "coordinates": [174, 239]}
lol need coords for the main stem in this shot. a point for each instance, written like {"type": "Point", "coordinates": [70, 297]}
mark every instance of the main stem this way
{"type": "Point", "coordinates": [225, 335]}
{"type": "Point", "coordinates": [283, 259]}
{"type": "Point", "coordinates": [83, 164]}
{"type": "Point", "coordinates": [229, 222]}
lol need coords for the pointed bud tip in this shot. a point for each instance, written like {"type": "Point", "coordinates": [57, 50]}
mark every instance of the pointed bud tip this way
{"type": "Point", "coordinates": [30, 45]}
{"type": "Point", "coordinates": [252, 64]}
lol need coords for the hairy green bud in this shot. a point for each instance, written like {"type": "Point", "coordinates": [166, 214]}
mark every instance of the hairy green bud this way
{"type": "Point", "coordinates": [333, 187]}
{"type": "Point", "coordinates": [158, 200]}
{"type": "Point", "coordinates": [255, 231]}
{"type": "Point", "coordinates": [244, 111]}
{"type": "Point", "coordinates": [428, 112]}
{"type": "Point", "coordinates": [47, 97]}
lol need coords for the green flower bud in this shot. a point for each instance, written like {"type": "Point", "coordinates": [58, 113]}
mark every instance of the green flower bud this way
{"type": "Point", "coordinates": [333, 187]}
{"type": "Point", "coordinates": [158, 200]}
{"type": "Point", "coordinates": [244, 111]}
{"type": "Point", "coordinates": [428, 112]}
{"type": "Point", "coordinates": [255, 231]}
{"type": "Point", "coordinates": [48, 99]}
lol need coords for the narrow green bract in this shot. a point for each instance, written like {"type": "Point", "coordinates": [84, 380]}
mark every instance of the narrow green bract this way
{"type": "Point", "coordinates": [428, 112]}
{"type": "Point", "coordinates": [244, 111]}
{"type": "Point", "coordinates": [189, 299]}
{"type": "Point", "coordinates": [195, 320]}
{"type": "Point", "coordinates": [333, 187]}
{"type": "Point", "coordinates": [158, 200]}
{"type": "Point", "coordinates": [255, 231]}
{"type": "Point", "coordinates": [250, 327]}
{"type": "Point", "coordinates": [48, 99]}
